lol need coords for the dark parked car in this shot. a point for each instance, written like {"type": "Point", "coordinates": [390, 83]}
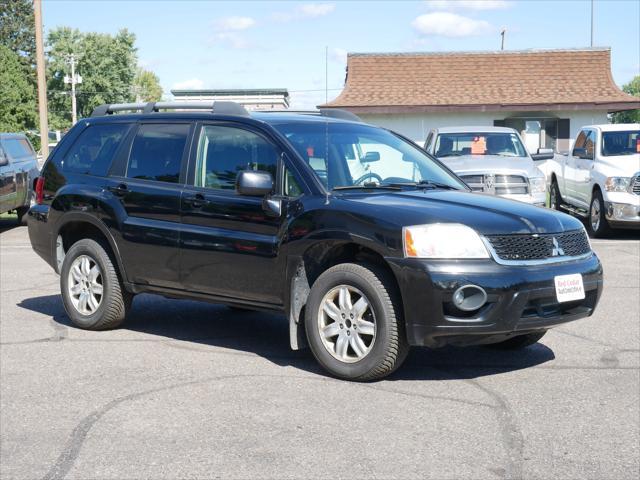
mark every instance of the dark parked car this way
{"type": "Point", "coordinates": [298, 213]}
{"type": "Point", "coordinates": [18, 171]}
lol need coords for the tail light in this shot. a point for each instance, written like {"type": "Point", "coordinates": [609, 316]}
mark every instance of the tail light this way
{"type": "Point", "coordinates": [39, 188]}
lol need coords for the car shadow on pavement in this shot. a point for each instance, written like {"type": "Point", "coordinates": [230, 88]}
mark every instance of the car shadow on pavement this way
{"type": "Point", "coordinates": [8, 222]}
{"type": "Point", "coordinates": [198, 325]}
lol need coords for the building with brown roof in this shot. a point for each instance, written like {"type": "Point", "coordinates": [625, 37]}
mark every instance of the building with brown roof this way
{"type": "Point", "coordinates": [547, 94]}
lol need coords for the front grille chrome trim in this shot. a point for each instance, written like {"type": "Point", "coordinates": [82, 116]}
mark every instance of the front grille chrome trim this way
{"type": "Point", "coordinates": [524, 263]}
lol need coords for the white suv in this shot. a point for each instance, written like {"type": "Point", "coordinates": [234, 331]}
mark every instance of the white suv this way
{"type": "Point", "coordinates": [599, 179]}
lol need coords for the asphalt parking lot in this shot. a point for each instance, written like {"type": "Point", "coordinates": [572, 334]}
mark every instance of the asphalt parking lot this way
{"type": "Point", "coordinates": [192, 390]}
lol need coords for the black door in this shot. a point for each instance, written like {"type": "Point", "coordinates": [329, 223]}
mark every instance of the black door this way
{"type": "Point", "coordinates": [150, 190]}
{"type": "Point", "coordinates": [229, 242]}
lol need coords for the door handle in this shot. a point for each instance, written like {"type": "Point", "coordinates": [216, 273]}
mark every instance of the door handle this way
{"type": "Point", "coordinates": [119, 190]}
{"type": "Point", "coordinates": [195, 201]}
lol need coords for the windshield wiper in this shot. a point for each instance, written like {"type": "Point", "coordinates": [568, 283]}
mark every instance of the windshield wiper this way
{"type": "Point", "coordinates": [426, 184]}
{"type": "Point", "coordinates": [368, 186]}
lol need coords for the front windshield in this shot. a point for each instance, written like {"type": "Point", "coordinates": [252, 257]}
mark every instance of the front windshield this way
{"type": "Point", "coordinates": [479, 143]}
{"type": "Point", "coordinates": [620, 143]}
{"type": "Point", "coordinates": [351, 155]}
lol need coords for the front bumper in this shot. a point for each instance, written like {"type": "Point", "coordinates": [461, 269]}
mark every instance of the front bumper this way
{"type": "Point", "coordinates": [537, 199]}
{"type": "Point", "coordinates": [622, 209]}
{"type": "Point", "coordinates": [520, 299]}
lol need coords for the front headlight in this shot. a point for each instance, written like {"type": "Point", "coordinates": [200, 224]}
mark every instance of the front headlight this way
{"type": "Point", "coordinates": [617, 184]}
{"type": "Point", "coordinates": [443, 240]}
{"type": "Point", "coordinates": [538, 184]}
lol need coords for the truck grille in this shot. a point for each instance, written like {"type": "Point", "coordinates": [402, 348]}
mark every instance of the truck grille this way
{"type": "Point", "coordinates": [497, 184]}
{"type": "Point", "coordinates": [540, 246]}
{"type": "Point", "coordinates": [635, 184]}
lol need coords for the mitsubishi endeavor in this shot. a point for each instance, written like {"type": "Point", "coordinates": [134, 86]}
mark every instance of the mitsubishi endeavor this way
{"type": "Point", "coordinates": [365, 241]}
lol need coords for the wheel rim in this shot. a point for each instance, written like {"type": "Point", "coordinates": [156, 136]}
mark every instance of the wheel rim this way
{"type": "Point", "coordinates": [552, 200]}
{"type": "Point", "coordinates": [346, 324]}
{"type": "Point", "coordinates": [595, 214]}
{"type": "Point", "coordinates": [85, 285]}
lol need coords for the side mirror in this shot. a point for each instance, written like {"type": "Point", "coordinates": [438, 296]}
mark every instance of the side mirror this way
{"type": "Point", "coordinates": [3, 159]}
{"type": "Point", "coordinates": [581, 153]}
{"type": "Point", "coordinates": [370, 157]}
{"type": "Point", "coordinates": [543, 154]}
{"type": "Point", "coordinates": [254, 184]}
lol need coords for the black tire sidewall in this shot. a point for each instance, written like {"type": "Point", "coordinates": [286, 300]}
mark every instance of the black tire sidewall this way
{"type": "Point", "coordinates": [94, 250]}
{"type": "Point", "coordinates": [340, 369]}
{"type": "Point", "coordinates": [603, 227]}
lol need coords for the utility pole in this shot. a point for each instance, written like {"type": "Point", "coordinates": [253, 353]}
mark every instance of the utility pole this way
{"type": "Point", "coordinates": [591, 23]}
{"type": "Point", "coordinates": [42, 84]}
{"type": "Point", "coordinates": [73, 80]}
{"type": "Point", "coordinates": [502, 34]}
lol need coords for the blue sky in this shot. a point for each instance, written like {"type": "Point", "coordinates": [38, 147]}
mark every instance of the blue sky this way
{"type": "Point", "coordinates": [206, 44]}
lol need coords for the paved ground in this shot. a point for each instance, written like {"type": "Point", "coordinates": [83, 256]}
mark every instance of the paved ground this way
{"type": "Point", "coordinates": [190, 390]}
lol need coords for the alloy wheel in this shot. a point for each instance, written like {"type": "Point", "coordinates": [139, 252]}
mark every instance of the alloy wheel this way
{"type": "Point", "coordinates": [85, 285]}
{"type": "Point", "coordinates": [595, 214]}
{"type": "Point", "coordinates": [347, 324]}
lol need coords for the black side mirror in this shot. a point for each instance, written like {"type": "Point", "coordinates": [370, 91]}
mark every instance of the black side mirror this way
{"type": "Point", "coordinates": [543, 154]}
{"type": "Point", "coordinates": [370, 157]}
{"type": "Point", "coordinates": [581, 153]}
{"type": "Point", "coordinates": [254, 184]}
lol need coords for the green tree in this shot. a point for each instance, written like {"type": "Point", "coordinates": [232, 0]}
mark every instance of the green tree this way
{"type": "Point", "coordinates": [17, 94]}
{"type": "Point", "coordinates": [147, 86]}
{"type": "Point", "coordinates": [17, 30]}
{"type": "Point", "coordinates": [107, 64]}
{"type": "Point", "coordinates": [629, 116]}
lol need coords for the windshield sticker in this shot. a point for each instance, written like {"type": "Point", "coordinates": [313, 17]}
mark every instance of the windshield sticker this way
{"type": "Point", "coordinates": [478, 146]}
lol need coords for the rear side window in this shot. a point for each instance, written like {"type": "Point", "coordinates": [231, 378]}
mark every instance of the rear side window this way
{"type": "Point", "coordinates": [17, 147]}
{"type": "Point", "coordinates": [157, 152]}
{"type": "Point", "coordinates": [224, 151]}
{"type": "Point", "coordinates": [94, 150]}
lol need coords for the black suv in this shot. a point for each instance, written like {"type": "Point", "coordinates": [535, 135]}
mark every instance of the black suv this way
{"type": "Point", "coordinates": [368, 243]}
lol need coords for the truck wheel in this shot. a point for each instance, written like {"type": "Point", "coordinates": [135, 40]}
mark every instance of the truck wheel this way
{"type": "Point", "coordinates": [354, 323]}
{"type": "Point", "coordinates": [92, 292]}
{"type": "Point", "coordinates": [598, 225]}
{"type": "Point", "coordinates": [518, 342]}
{"type": "Point", "coordinates": [22, 215]}
{"type": "Point", "coordinates": [555, 199]}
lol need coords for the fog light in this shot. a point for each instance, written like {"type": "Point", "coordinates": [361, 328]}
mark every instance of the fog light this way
{"type": "Point", "coordinates": [469, 297]}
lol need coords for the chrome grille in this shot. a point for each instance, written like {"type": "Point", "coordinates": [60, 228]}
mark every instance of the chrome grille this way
{"type": "Point", "coordinates": [540, 246]}
{"type": "Point", "coordinates": [497, 184]}
{"type": "Point", "coordinates": [635, 184]}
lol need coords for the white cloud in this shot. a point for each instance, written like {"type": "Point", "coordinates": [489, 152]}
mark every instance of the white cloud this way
{"type": "Point", "coordinates": [233, 39]}
{"type": "Point", "coordinates": [450, 25]}
{"type": "Point", "coordinates": [467, 4]}
{"type": "Point", "coordinates": [191, 84]}
{"type": "Point", "coordinates": [234, 24]}
{"type": "Point", "coordinates": [306, 10]}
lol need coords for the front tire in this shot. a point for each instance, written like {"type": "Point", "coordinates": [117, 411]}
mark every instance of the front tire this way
{"type": "Point", "coordinates": [598, 225]}
{"type": "Point", "coordinates": [93, 295]}
{"type": "Point", "coordinates": [354, 322]}
{"type": "Point", "coordinates": [22, 215]}
{"type": "Point", "coordinates": [555, 199]}
{"type": "Point", "coordinates": [519, 342]}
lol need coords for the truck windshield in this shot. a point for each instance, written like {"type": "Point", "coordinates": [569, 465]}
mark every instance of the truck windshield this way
{"type": "Point", "coordinates": [620, 143]}
{"type": "Point", "coordinates": [354, 155]}
{"type": "Point", "coordinates": [479, 143]}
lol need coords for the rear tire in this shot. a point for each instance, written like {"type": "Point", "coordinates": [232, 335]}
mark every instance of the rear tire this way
{"type": "Point", "coordinates": [22, 215]}
{"type": "Point", "coordinates": [519, 342]}
{"type": "Point", "coordinates": [597, 222]}
{"type": "Point", "coordinates": [357, 309]}
{"type": "Point", "coordinates": [92, 293]}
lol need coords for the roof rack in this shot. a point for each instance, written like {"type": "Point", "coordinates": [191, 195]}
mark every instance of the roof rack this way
{"type": "Point", "coordinates": [323, 112]}
{"type": "Point", "coordinates": [217, 107]}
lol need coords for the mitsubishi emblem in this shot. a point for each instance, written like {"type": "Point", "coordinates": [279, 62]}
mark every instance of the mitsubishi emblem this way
{"type": "Point", "coordinates": [557, 250]}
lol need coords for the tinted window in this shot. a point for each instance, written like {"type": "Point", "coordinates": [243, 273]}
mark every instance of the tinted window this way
{"type": "Point", "coordinates": [620, 143]}
{"type": "Point", "coordinates": [479, 143]}
{"type": "Point", "coordinates": [224, 151]}
{"type": "Point", "coordinates": [93, 151]}
{"type": "Point", "coordinates": [157, 152]}
{"type": "Point", "coordinates": [17, 147]}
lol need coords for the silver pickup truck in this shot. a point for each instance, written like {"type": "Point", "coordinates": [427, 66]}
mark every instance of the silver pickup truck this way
{"type": "Point", "coordinates": [491, 160]}
{"type": "Point", "coordinates": [18, 170]}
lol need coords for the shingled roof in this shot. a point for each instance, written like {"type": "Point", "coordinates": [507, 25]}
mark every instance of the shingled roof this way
{"type": "Point", "coordinates": [528, 80]}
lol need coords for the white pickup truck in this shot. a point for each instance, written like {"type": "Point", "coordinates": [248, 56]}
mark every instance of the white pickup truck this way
{"type": "Point", "coordinates": [599, 179]}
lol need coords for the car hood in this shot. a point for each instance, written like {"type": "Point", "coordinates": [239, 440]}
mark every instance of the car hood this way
{"type": "Point", "coordinates": [621, 165]}
{"type": "Point", "coordinates": [487, 214]}
{"type": "Point", "coordinates": [490, 164]}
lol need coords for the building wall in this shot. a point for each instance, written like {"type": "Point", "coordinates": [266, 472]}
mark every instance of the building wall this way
{"type": "Point", "coordinates": [417, 126]}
